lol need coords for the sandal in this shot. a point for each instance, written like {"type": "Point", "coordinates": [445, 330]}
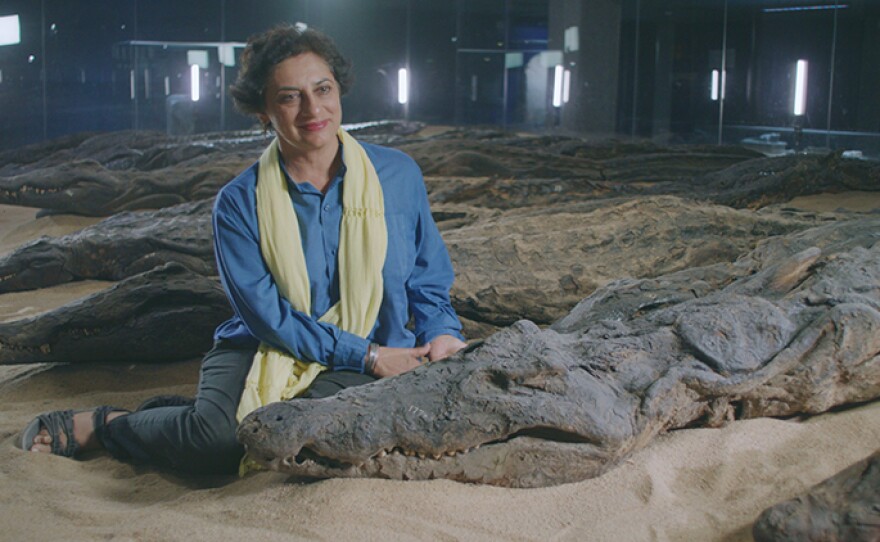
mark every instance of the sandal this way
{"type": "Point", "coordinates": [60, 422]}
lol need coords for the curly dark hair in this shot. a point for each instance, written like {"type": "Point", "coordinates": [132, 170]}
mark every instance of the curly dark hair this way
{"type": "Point", "coordinates": [264, 51]}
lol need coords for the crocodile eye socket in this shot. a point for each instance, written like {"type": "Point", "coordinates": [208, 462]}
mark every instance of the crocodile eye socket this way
{"type": "Point", "coordinates": [279, 417]}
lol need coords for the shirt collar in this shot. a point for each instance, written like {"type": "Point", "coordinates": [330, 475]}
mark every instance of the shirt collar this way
{"type": "Point", "coordinates": [308, 188]}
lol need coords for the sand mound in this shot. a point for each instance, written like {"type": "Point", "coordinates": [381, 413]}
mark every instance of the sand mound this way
{"type": "Point", "coordinates": [699, 484]}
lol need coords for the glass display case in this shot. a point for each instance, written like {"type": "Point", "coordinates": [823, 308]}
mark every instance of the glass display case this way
{"type": "Point", "coordinates": [776, 75]}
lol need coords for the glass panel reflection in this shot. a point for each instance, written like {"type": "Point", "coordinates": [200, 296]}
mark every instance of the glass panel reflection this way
{"type": "Point", "coordinates": [683, 71]}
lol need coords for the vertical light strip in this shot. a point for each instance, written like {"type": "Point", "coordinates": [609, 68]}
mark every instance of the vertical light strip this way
{"type": "Point", "coordinates": [10, 30]}
{"type": "Point", "coordinates": [474, 88]}
{"type": "Point", "coordinates": [167, 86]}
{"type": "Point", "coordinates": [566, 85]}
{"type": "Point", "coordinates": [402, 86]}
{"type": "Point", "coordinates": [714, 85]}
{"type": "Point", "coordinates": [147, 83]}
{"type": "Point", "coordinates": [131, 83]}
{"type": "Point", "coordinates": [723, 84]}
{"type": "Point", "coordinates": [557, 85]}
{"type": "Point", "coordinates": [194, 82]}
{"type": "Point", "coordinates": [800, 88]}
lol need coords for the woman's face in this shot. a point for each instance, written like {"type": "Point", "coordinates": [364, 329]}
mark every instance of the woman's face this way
{"type": "Point", "coordinates": [302, 103]}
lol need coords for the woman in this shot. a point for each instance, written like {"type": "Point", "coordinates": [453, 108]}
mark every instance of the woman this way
{"type": "Point", "coordinates": [326, 249]}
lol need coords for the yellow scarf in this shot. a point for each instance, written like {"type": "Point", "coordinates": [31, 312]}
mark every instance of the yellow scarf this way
{"type": "Point", "coordinates": [363, 239]}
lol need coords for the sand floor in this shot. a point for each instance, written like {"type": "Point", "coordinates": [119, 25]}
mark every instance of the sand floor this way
{"type": "Point", "coordinates": [695, 484]}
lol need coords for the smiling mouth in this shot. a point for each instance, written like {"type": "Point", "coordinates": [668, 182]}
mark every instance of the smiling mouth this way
{"type": "Point", "coordinates": [315, 126]}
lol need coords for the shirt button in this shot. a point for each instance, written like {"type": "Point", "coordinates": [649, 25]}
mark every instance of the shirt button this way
{"type": "Point", "coordinates": [326, 207]}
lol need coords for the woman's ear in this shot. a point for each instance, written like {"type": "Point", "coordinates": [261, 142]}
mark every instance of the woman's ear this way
{"type": "Point", "coordinates": [265, 121]}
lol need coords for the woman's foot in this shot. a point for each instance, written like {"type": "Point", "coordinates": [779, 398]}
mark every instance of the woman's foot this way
{"type": "Point", "coordinates": [83, 433]}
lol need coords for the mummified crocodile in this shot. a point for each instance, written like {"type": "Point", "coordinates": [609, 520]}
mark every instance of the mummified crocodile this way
{"type": "Point", "coordinates": [843, 507]}
{"type": "Point", "coordinates": [794, 327]}
{"type": "Point", "coordinates": [103, 174]}
{"type": "Point", "coordinates": [167, 313]}
{"type": "Point", "coordinates": [752, 183]}
{"type": "Point", "coordinates": [115, 248]}
{"type": "Point", "coordinates": [502, 264]}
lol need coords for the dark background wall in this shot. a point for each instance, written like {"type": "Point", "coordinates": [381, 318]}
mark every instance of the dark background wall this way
{"type": "Point", "coordinates": [642, 69]}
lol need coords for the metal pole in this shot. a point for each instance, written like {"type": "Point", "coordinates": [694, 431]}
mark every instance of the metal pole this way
{"type": "Point", "coordinates": [457, 116]}
{"type": "Point", "coordinates": [409, 74]}
{"type": "Point", "coordinates": [43, 74]}
{"type": "Point", "coordinates": [635, 108]}
{"type": "Point", "coordinates": [222, 67]}
{"type": "Point", "coordinates": [134, 53]}
{"type": "Point", "coordinates": [831, 80]}
{"type": "Point", "coordinates": [504, 81]}
{"type": "Point", "coordinates": [723, 76]}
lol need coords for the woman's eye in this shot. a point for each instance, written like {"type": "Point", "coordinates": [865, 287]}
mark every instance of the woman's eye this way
{"type": "Point", "coordinates": [324, 90]}
{"type": "Point", "coordinates": [286, 98]}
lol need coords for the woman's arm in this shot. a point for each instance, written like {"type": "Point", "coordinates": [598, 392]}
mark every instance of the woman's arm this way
{"type": "Point", "coordinates": [255, 298]}
{"type": "Point", "coordinates": [428, 286]}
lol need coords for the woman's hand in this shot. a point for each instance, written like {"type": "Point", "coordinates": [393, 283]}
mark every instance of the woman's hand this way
{"type": "Point", "coordinates": [444, 346]}
{"type": "Point", "coordinates": [393, 361]}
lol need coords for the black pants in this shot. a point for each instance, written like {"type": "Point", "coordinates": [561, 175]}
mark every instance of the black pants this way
{"type": "Point", "coordinates": [201, 437]}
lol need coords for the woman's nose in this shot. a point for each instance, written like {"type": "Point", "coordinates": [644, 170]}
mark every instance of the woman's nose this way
{"type": "Point", "coordinates": [311, 105]}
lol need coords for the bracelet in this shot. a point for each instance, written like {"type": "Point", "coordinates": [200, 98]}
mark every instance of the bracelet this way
{"type": "Point", "coordinates": [372, 358]}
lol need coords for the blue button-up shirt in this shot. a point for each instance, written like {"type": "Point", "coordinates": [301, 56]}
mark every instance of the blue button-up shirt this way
{"type": "Point", "coordinates": [417, 273]}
